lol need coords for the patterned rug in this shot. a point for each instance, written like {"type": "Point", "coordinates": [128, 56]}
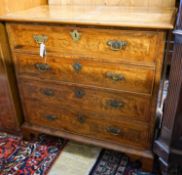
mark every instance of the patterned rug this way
{"type": "Point", "coordinates": [18, 157]}
{"type": "Point", "coordinates": [42, 156]}
{"type": "Point", "coordinates": [116, 163]}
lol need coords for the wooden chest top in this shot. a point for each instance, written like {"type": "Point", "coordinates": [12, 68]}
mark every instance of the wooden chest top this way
{"type": "Point", "coordinates": [118, 16]}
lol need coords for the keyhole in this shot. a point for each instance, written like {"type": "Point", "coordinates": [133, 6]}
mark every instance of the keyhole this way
{"type": "Point", "coordinates": [75, 35]}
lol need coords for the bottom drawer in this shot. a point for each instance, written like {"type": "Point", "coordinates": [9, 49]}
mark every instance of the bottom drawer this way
{"type": "Point", "coordinates": [87, 124]}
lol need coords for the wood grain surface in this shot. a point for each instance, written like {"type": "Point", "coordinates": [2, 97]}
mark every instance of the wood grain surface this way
{"type": "Point", "coordinates": [141, 47]}
{"type": "Point", "coordinates": [85, 89]}
{"type": "Point", "coordinates": [124, 77]}
{"type": "Point", "coordinates": [10, 115]}
{"type": "Point", "coordinates": [128, 107]}
{"type": "Point", "coordinates": [10, 110]}
{"type": "Point", "coordinates": [138, 17]}
{"type": "Point", "coordinates": [13, 6]}
{"type": "Point", "coordinates": [83, 123]}
{"type": "Point", "coordinates": [86, 105]}
{"type": "Point", "coordinates": [140, 3]}
{"type": "Point", "coordinates": [70, 91]}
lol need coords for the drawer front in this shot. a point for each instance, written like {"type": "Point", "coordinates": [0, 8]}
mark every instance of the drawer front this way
{"type": "Point", "coordinates": [105, 44]}
{"type": "Point", "coordinates": [83, 123]}
{"type": "Point", "coordinates": [110, 105]}
{"type": "Point", "coordinates": [125, 77]}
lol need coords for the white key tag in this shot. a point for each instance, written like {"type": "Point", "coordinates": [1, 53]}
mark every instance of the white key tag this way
{"type": "Point", "coordinates": [42, 50]}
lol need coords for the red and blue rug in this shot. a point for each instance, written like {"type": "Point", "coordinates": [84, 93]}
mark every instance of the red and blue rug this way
{"type": "Point", "coordinates": [19, 157]}
{"type": "Point", "coordinates": [116, 163]}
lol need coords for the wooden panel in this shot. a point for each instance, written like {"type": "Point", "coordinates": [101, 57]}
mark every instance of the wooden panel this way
{"type": "Point", "coordinates": [10, 115]}
{"type": "Point", "coordinates": [71, 120]}
{"type": "Point", "coordinates": [12, 6]}
{"type": "Point", "coordinates": [7, 110]}
{"type": "Point", "coordinates": [110, 105]}
{"type": "Point", "coordinates": [140, 3]}
{"type": "Point", "coordinates": [145, 156]}
{"type": "Point", "coordinates": [9, 106]}
{"type": "Point", "coordinates": [115, 76]}
{"type": "Point", "coordinates": [141, 46]}
{"type": "Point", "coordinates": [140, 17]}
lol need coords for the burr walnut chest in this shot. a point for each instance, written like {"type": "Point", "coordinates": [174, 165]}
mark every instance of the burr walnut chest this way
{"type": "Point", "coordinates": [91, 74]}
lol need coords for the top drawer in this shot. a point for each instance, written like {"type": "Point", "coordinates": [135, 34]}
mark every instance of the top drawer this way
{"type": "Point", "coordinates": [108, 44]}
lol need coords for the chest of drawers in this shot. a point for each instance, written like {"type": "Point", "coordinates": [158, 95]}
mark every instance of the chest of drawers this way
{"type": "Point", "coordinates": [86, 87]}
{"type": "Point", "coordinates": [96, 84]}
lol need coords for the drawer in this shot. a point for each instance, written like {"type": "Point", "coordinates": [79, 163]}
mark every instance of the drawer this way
{"type": "Point", "coordinates": [124, 77]}
{"type": "Point", "coordinates": [85, 124]}
{"type": "Point", "coordinates": [106, 44]}
{"type": "Point", "coordinates": [110, 105]}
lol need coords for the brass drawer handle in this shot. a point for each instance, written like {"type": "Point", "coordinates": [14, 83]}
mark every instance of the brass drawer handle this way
{"type": "Point", "coordinates": [81, 118]}
{"type": "Point", "coordinates": [42, 67]}
{"type": "Point", "coordinates": [115, 104]}
{"type": "Point", "coordinates": [115, 76]}
{"type": "Point", "coordinates": [79, 93]}
{"type": "Point", "coordinates": [51, 117]}
{"type": "Point", "coordinates": [77, 67]}
{"type": "Point", "coordinates": [48, 92]}
{"type": "Point", "coordinates": [114, 131]}
{"type": "Point", "coordinates": [116, 45]}
{"type": "Point", "coordinates": [39, 39]}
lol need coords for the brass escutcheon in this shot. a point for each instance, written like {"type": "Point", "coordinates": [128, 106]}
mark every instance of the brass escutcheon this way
{"type": "Point", "coordinates": [77, 67]}
{"type": "Point", "coordinates": [115, 104]}
{"type": "Point", "coordinates": [40, 38]}
{"type": "Point", "coordinates": [79, 93]}
{"type": "Point", "coordinates": [42, 67]}
{"type": "Point", "coordinates": [114, 131]}
{"type": "Point", "coordinates": [48, 92]}
{"type": "Point", "coordinates": [81, 118]}
{"type": "Point", "coordinates": [117, 45]}
{"type": "Point", "coordinates": [75, 35]}
{"type": "Point", "coordinates": [51, 117]}
{"type": "Point", "coordinates": [115, 76]}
